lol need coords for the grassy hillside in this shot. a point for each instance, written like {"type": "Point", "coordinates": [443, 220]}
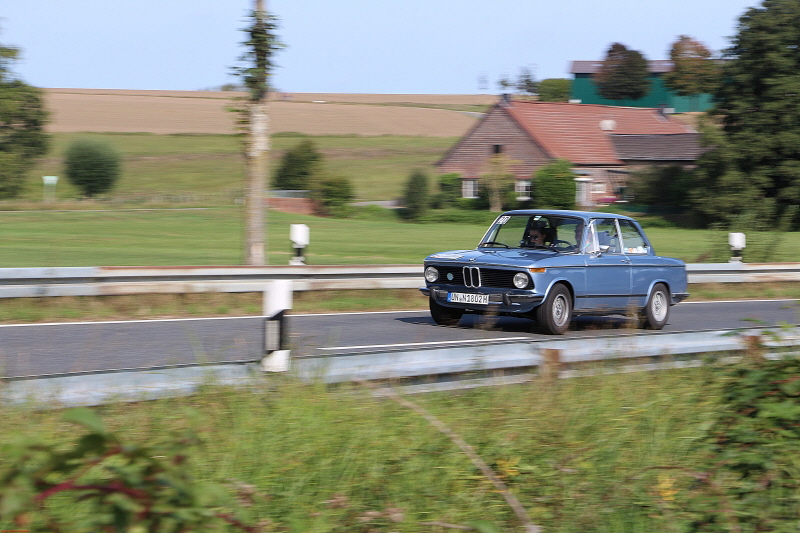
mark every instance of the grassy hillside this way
{"type": "Point", "coordinates": [208, 169]}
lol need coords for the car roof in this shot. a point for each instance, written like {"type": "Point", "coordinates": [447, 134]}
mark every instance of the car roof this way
{"type": "Point", "coordinates": [567, 213]}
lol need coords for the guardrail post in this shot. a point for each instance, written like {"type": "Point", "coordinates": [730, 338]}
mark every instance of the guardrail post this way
{"type": "Point", "coordinates": [754, 347]}
{"type": "Point", "coordinates": [551, 364]}
{"type": "Point", "coordinates": [277, 303]}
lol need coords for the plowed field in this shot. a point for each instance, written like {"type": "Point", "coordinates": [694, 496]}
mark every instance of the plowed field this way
{"type": "Point", "coordinates": [165, 112]}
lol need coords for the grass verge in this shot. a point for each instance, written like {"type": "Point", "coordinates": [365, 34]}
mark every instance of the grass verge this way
{"type": "Point", "coordinates": [575, 453]}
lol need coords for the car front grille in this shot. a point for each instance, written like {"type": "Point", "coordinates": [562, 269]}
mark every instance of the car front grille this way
{"type": "Point", "coordinates": [476, 276]}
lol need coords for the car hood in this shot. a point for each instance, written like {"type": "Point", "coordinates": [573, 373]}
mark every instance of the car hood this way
{"type": "Point", "coordinates": [501, 257]}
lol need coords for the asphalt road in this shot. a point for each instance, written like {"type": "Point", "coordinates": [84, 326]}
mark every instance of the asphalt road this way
{"type": "Point", "coordinates": [65, 348]}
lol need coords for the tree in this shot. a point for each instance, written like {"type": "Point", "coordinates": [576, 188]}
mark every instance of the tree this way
{"type": "Point", "coordinates": [332, 196]}
{"type": "Point", "coordinates": [297, 166]}
{"type": "Point", "coordinates": [756, 163]}
{"type": "Point", "coordinates": [261, 46]}
{"type": "Point", "coordinates": [694, 71]}
{"type": "Point", "coordinates": [662, 185]}
{"type": "Point", "coordinates": [416, 199]}
{"type": "Point", "coordinates": [92, 166]}
{"type": "Point", "coordinates": [22, 120]}
{"type": "Point", "coordinates": [624, 74]}
{"type": "Point", "coordinates": [526, 83]}
{"type": "Point", "coordinates": [554, 186]}
{"type": "Point", "coordinates": [554, 90]}
{"type": "Point", "coordinates": [497, 180]}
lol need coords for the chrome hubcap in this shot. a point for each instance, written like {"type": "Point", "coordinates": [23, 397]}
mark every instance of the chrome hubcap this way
{"type": "Point", "coordinates": [560, 310]}
{"type": "Point", "coordinates": [659, 306]}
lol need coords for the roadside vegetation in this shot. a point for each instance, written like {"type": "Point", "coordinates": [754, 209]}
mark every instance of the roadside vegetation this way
{"type": "Point", "coordinates": [669, 450]}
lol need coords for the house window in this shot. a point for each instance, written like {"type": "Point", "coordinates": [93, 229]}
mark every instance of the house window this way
{"type": "Point", "coordinates": [497, 149]}
{"type": "Point", "coordinates": [469, 189]}
{"type": "Point", "coordinates": [598, 187]}
{"type": "Point", "coordinates": [523, 189]}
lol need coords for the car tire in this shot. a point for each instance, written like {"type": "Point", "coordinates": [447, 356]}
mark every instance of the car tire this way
{"type": "Point", "coordinates": [444, 316]}
{"type": "Point", "coordinates": [555, 313]}
{"type": "Point", "coordinates": [656, 312]}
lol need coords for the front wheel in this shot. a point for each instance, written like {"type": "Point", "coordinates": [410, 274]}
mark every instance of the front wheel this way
{"type": "Point", "coordinates": [555, 313]}
{"type": "Point", "coordinates": [444, 316]}
{"type": "Point", "coordinates": [656, 312]}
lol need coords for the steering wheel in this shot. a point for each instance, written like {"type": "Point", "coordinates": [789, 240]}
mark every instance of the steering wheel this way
{"type": "Point", "coordinates": [567, 246]}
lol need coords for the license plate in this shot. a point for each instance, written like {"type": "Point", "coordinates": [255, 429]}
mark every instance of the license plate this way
{"type": "Point", "coordinates": [464, 298]}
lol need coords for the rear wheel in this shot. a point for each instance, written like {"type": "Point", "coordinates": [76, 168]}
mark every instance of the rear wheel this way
{"type": "Point", "coordinates": [444, 316]}
{"type": "Point", "coordinates": [656, 312]}
{"type": "Point", "coordinates": [555, 313]}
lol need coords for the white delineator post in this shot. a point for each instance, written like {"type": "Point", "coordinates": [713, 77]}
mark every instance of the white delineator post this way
{"type": "Point", "coordinates": [277, 303]}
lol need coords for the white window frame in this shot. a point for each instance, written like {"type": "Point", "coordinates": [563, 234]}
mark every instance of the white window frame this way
{"type": "Point", "coordinates": [469, 188]}
{"type": "Point", "coordinates": [523, 189]}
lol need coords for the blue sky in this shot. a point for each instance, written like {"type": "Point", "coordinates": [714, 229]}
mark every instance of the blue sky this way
{"type": "Point", "coordinates": [345, 46]}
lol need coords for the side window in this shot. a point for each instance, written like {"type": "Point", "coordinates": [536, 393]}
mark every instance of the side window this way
{"type": "Point", "coordinates": [605, 231]}
{"type": "Point", "coordinates": [632, 239]}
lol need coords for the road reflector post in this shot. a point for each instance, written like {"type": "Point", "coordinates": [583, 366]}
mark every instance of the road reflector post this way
{"type": "Point", "coordinates": [551, 364]}
{"type": "Point", "coordinates": [277, 303]}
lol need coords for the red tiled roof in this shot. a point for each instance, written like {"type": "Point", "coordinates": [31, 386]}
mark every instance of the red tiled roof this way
{"type": "Point", "coordinates": [581, 133]}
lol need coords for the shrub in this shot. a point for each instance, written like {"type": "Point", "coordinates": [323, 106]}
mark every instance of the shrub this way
{"type": "Point", "coordinates": [110, 485]}
{"type": "Point", "coordinates": [92, 166]}
{"type": "Point", "coordinates": [554, 186]}
{"type": "Point", "coordinates": [554, 90]}
{"type": "Point", "coordinates": [297, 166]}
{"type": "Point", "coordinates": [332, 196]}
{"type": "Point", "coordinates": [416, 198]}
{"type": "Point", "coordinates": [449, 191]}
{"type": "Point", "coordinates": [12, 174]}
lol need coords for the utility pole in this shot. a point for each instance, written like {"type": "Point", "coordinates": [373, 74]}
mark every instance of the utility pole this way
{"type": "Point", "coordinates": [257, 152]}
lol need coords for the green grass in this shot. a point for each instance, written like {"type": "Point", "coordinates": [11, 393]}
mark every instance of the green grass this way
{"type": "Point", "coordinates": [210, 169]}
{"type": "Point", "coordinates": [213, 237]}
{"type": "Point", "coordinates": [574, 453]}
{"type": "Point", "coordinates": [210, 237]}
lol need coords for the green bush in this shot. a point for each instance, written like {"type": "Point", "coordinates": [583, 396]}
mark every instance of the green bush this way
{"type": "Point", "coordinates": [332, 196]}
{"type": "Point", "coordinates": [449, 191]}
{"type": "Point", "coordinates": [554, 90]}
{"type": "Point", "coordinates": [92, 166]}
{"type": "Point", "coordinates": [12, 174]}
{"type": "Point", "coordinates": [297, 166]}
{"type": "Point", "coordinates": [109, 485]}
{"type": "Point", "coordinates": [416, 200]}
{"type": "Point", "coordinates": [554, 186]}
{"type": "Point", "coordinates": [752, 478]}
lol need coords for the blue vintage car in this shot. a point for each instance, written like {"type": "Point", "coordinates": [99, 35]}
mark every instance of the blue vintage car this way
{"type": "Point", "coordinates": [552, 265]}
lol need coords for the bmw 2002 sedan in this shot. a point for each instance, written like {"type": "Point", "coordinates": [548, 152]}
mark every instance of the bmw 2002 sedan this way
{"type": "Point", "coordinates": [552, 265]}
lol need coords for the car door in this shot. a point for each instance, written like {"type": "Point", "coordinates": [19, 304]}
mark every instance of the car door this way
{"type": "Point", "coordinates": [644, 266]}
{"type": "Point", "coordinates": [608, 270]}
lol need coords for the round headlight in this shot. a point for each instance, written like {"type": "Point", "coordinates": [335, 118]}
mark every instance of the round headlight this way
{"type": "Point", "coordinates": [431, 274]}
{"type": "Point", "coordinates": [521, 280]}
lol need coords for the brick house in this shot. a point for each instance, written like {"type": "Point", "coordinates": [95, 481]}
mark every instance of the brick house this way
{"type": "Point", "coordinates": [604, 144]}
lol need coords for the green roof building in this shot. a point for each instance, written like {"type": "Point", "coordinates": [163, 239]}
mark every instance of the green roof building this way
{"type": "Point", "coordinates": [585, 90]}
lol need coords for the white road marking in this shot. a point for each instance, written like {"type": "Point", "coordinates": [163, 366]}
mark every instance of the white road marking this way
{"type": "Point", "coordinates": [437, 343]}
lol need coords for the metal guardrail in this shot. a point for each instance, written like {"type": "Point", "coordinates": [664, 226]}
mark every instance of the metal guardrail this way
{"type": "Point", "coordinates": [466, 365]}
{"type": "Point", "coordinates": [102, 281]}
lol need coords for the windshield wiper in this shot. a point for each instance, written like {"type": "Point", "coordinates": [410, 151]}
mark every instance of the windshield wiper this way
{"type": "Point", "coordinates": [493, 243]}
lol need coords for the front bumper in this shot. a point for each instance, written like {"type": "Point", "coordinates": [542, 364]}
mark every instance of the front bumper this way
{"type": "Point", "coordinates": [504, 301]}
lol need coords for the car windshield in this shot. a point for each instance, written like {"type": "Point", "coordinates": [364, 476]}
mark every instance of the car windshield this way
{"type": "Point", "coordinates": [544, 232]}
